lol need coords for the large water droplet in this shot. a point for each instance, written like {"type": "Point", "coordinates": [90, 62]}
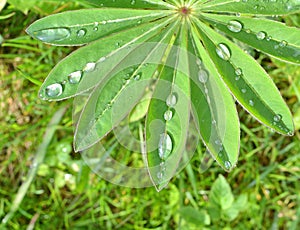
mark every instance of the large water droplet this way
{"type": "Point", "coordinates": [203, 76]}
{"type": "Point", "coordinates": [54, 90]}
{"type": "Point", "coordinates": [172, 100]}
{"type": "Point", "coordinates": [168, 115]}
{"type": "Point", "coordinates": [261, 35]}
{"type": "Point", "coordinates": [75, 77]}
{"type": "Point", "coordinates": [165, 146]}
{"type": "Point", "coordinates": [223, 51]}
{"type": "Point", "coordinates": [227, 164]}
{"type": "Point", "coordinates": [52, 34]}
{"type": "Point", "coordinates": [234, 26]}
{"type": "Point", "coordinates": [89, 67]}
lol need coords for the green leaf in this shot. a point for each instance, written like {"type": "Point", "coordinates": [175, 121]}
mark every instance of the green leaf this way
{"type": "Point", "coordinates": [79, 27]}
{"type": "Point", "coordinates": [240, 204]}
{"type": "Point", "coordinates": [220, 193]}
{"type": "Point", "coordinates": [247, 81]}
{"type": "Point", "coordinates": [146, 4]}
{"type": "Point", "coordinates": [119, 92]}
{"type": "Point", "coordinates": [109, 52]}
{"type": "Point", "coordinates": [168, 115]}
{"type": "Point", "coordinates": [271, 37]}
{"type": "Point", "coordinates": [213, 108]}
{"type": "Point", "coordinates": [252, 7]}
{"type": "Point", "coordinates": [194, 216]}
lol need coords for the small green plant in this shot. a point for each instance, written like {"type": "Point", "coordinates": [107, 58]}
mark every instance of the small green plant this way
{"type": "Point", "coordinates": [222, 206]}
{"type": "Point", "coordinates": [184, 55]}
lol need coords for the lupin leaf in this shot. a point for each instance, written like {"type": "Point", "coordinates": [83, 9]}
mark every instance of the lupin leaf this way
{"type": "Point", "coordinates": [145, 4]}
{"type": "Point", "coordinates": [247, 81]}
{"type": "Point", "coordinates": [109, 50]}
{"type": "Point", "coordinates": [253, 7]}
{"type": "Point", "coordinates": [168, 115]}
{"type": "Point", "coordinates": [213, 107]}
{"type": "Point", "coordinates": [130, 41]}
{"type": "Point", "coordinates": [80, 27]}
{"type": "Point", "coordinates": [121, 89]}
{"type": "Point", "coordinates": [280, 41]}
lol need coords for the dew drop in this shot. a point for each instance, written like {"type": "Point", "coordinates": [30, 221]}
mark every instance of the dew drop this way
{"type": "Point", "coordinates": [234, 26]}
{"type": "Point", "coordinates": [137, 76]}
{"type": "Point", "coordinates": [81, 33]}
{"type": "Point", "coordinates": [277, 118]}
{"type": "Point", "coordinates": [261, 35]}
{"type": "Point", "coordinates": [165, 146]}
{"type": "Point", "coordinates": [162, 166]}
{"type": "Point", "coordinates": [159, 175]}
{"type": "Point", "coordinates": [223, 51]}
{"type": "Point", "coordinates": [238, 71]}
{"type": "Point", "coordinates": [75, 77]}
{"type": "Point", "coordinates": [283, 44]}
{"type": "Point", "coordinates": [251, 102]}
{"type": "Point", "coordinates": [171, 100]}
{"type": "Point", "coordinates": [52, 34]}
{"type": "Point", "coordinates": [54, 90]}
{"type": "Point", "coordinates": [243, 90]}
{"type": "Point", "coordinates": [203, 76]}
{"type": "Point", "coordinates": [168, 115]}
{"type": "Point", "coordinates": [227, 164]}
{"type": "Point", "coordinates": [89, 67]}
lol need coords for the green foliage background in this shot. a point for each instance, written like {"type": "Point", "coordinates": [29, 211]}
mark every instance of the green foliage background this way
{"type": "Point", "coordinates": [262, 192]}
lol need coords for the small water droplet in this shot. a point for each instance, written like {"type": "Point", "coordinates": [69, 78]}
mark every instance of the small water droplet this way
{"type": "Point", "coordinates": [52, 34]}
{"type": "Point", "coordinates": [102, 59]}
{"type": "Point", "coordinates": [198, 61]}
{"type": "Point", "coordinates": [159, 175]}
{"type": "Point", "coordinates": [75, 77]}
{"type": "Point", "coordinates": [290, 133]}
{"type": "Point", "coordinates": [162, 166]}
{"type": "Point", "coordinates": [238, 71]}
{"type": "Point", "coordinates": [137, 76]}
{"type": "Point", "coordinates": [243, 90]}
{"type": "Point", "coordinates": [172, 100]}
{"type": "Point", "coordinates": [168, 115]}
{"type": "Point", "coordinates": [165, 146]}
{"type": "Point", "coordinates": [223, 51]}
{"type": "Point", "coordinates": [283, 44]}
{"type": "Point", "coordinates": [203, 76]}
{"type": "Point", "coordinates": [54, 90]}
{"type": "Point", "coordinates": [81, 32]}
{"type": "Point", "coordinates": [227, 164]}
{"type": "Point", "coordinates": [277, 118]}
{"type": "Point", "coordinates": [261, 35]}
{"type": "Point", "coordinates": [89, 67]}
{"type": "Point", "coordinates": [234, 26]}
{"type": "Point", "coordinates": [251, 102]}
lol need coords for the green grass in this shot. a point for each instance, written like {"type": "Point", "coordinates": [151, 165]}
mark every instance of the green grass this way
{"type": "Point", "coordinates": [268, 171]}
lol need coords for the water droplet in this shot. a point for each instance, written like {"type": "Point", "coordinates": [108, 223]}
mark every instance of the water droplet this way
{"type": "Point", "coordinates": [234, 26]}
{"type": "Point", "coordinates": [75, 77]}
{"type": "Point", "coordinates": [52, 34]}
{"type": "Point", "coordinates": [238, 71]}
{"type": "Point", "coordinates": [251, 102]}
{"type": "Point", "coordinates": [172, 100]}
{"type": "Point", "coordinates": [277, 118]}
{"type": "Point", "coordinates": [168, 115]}
{"type": "Point", "coordinates": [223, 51]}
{"type": "Point", "coordinates": [269, 38]}
{"type": "Point", "coordinates": [290, 133]}
{"type": "Point", "coordinates": [102, 59]}
{"type": "Point", "coordinates": [198, 61]}
{"type": "Point", "coordinates": [89, 67]}
{"type": "Point", "coordinates": [137, 76]}
{"type": "Point", "coordinates": [283, 44]}
{"type": "Point", "coordinates": [203, 76]}
{"type": "Point", "coordinates": [162, 166]}
{"type": "Point", "coordinates": [261, 35]}
{"type": "Point", "coordinates": [227, 164]}
{"type": "Point", "coordinates": [54, 90]}
{"type": "Point", "coordinates": [218, 142]}
{"type": "Point", "coordinates": [159, 175]}
{"type": "Point", "coordinates": [165, 146]}
{"type": "Point", "coordinates": [243, 90]}
{"type": "Point", "coordinates": [81, 33]}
